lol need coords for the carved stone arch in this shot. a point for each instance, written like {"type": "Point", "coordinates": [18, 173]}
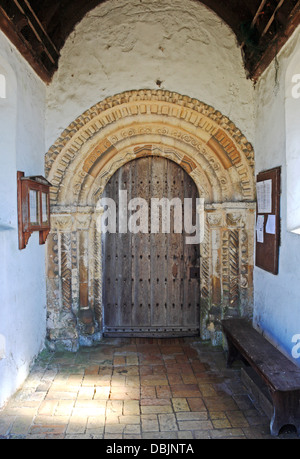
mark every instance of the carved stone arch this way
{"type": "Point", "coordinates": [208, 188]}
{"type": "Point", "coordinates": [120, 129]}
{"type": "Point", "coordinates": [160, 114]}
{"type": "Point", "coordinates": [207, 183]}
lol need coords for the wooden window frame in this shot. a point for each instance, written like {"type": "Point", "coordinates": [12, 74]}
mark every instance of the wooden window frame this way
{"type": "Point", "coordinates": [25, 225]}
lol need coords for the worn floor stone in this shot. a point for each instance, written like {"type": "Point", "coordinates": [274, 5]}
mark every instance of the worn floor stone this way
{"type": "Point", "coordinates": [135, 389]}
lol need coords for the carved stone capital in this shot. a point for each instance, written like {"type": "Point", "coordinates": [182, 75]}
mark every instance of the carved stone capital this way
{"type": "Point", "coordinates": [235, 219]}
{"type": "Point", "coordinates": [61, 223]}
{"type": "Point", "coordinates": [82, 221]}
{"type": "Point", "coordinates": [215, 219]}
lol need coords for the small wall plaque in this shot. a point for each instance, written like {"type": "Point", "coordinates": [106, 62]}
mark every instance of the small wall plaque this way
{"type": "Point", "coordinates": [33, 208]}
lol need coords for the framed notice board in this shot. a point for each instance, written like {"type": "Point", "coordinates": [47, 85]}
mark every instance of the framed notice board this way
{"type": "Point", "coordinates": [268, 188]}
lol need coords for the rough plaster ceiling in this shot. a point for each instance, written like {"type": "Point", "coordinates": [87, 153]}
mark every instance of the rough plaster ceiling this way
{"type": "Point", "coordinates": [39, 28]}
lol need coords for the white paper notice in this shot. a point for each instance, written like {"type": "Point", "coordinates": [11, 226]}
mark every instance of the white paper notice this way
{"type": "Point", "coordinates": [264, 196]}
{"type": "Point", "coordinates": [271, 224]}
{"type": "Point", "coordinates": [260, 228]}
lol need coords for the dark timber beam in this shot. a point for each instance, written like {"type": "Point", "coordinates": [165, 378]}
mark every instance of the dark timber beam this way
{"type": "Point", "coordinates": [38, 30]}
{"type": "Point", "coordinates": [276, 44]}
{"type": "Point", "coordinates": [255, 18]}
{"type": "Point", "coordinates": [280, 3]}
{"type": "Point", "coordinates": [258, 12]}
{"type": "Point", "coordinates": [24, 47]}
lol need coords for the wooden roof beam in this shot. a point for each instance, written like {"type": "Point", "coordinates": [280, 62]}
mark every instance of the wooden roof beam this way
{"type": "Point", "coordinates": [38, 30]}
{"type": "Point", "coordinates": [46, 10]}
{"type": "Point", "coordinates": [9, 29]}
{"type": "Point", "coordinates": [256, 16]}
{"type": "Point", "coordinates": [280, 3]}
{"type": "Point", "coordinates": [258, 12]}
{"type": "Point", "coordinates": [276, 44]}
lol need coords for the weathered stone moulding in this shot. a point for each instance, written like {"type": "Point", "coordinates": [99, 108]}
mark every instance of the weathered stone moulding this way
{"type": "Point", "coordinates": [120, 129]}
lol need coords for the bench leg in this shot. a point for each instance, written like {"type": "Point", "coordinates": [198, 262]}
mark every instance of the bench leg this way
{"type": "Point", "coordinates": [286, 411]}
{"type": "Point", "coordinates": [233, 353]}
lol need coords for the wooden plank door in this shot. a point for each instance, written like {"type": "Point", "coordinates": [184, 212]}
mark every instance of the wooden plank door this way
{"type": "Point", "coordinates": [151, 284]}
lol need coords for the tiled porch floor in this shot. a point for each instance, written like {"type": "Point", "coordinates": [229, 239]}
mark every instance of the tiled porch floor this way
{"type": "Point", "coordinates": [138, 388]}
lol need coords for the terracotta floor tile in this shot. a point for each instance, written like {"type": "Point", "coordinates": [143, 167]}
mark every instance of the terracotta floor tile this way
{"type": "Point", "coordinates": [172, 368]}
{"type": "Point", "coordinates": [133, 381]}
{"type": "Point", "coordinates": [92, 370]}
{"type": "Point", "coordinates": [132, 370]}
{"type": "Point", "coordinates": [155, 401]}
{"type": "Point", "coordinates": [182, 358]}
{"type": "Point", "coordinates": [102, 393]}
{"type": "Point", "coordinates": [169, 360]}
{"type": "Point", "coordinates": [191, 353]}
{"type": "Point", "coordinates": [146, 370]}
{"type": "Point", "coordinates": [185, 390]}
{"type": "Point", "coordinates": [188, 378]}
{"type": "Point", "coordinates": [47, 429]}
{"type": "Point", "coordinates": [148, 392]}
{"type": "Point", "coordinates": [219, 404]}
{"type": "Point", "coordinates": [207, 390]}
{"type": "Point", "coordinates": [159, 370]}
{"type": "Point", "coordinates": [198, 367]}
{"type": "Point", "coordinates": [134, 388]}
{"type": "Point", "coordinates": [170, 350]}
{"type": "Point", "coordinates": [126, 393]}
{"type": "Point", "coordinates": [124, 349]}
{"type": "Point", "coordinates": [48, 408]}
{"type": "Point", "coordinates": [156, 409]}
{"type": "Point", "coordinates": [152, 361]}
{"type": "Point", "coordinates": [196, 404]}
{"type": "Point", "coordinates": [237, 419]}
{"type": "Point", "coordinates": [119, 361]}
{"type": "Point", "coordinates": [154, 380]}
{"type": "Point", "coordinates": [185, 368]}
{"type": "Point", "coordinates": [150, 423]}
{"type": "Point", "coordinates": [195, 425]}
{"type": "Point", "coordinates": [167, 422]}
{"type": "Point", "coordinates": [180, 404]}
{"type": "Point", "coordinates": [163, 392]}
{"type": "Point", "coordinates": [192, 416]}
{"type": "Point", "coordinates": [175, 379]}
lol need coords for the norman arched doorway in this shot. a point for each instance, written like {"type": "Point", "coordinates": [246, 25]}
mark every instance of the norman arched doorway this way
{"type": "Point", "coordinates": [151, 271]}
{"type": "Point", "coordinates": [120, 129]}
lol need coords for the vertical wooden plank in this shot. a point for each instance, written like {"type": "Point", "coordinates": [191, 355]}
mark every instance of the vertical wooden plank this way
{"type": "Point", "coordinates": [118, 278]}
{"type": "Point", "coordinates": [124, 256]}
{"type": "Point", "coordinates": [142, 247]}
{"type": "Point", "coordinates": [174, 248]}
{"type": "Point", "coordinates": [105, 267]}
{"type": "Point", "coordinates": [109, 253]}
{"type": "Point", "coordinates": [159, 252]}
{"type": "Point", "coordinates": [134, 253]}
{"type": "Point", "coordinates": [146, 277]}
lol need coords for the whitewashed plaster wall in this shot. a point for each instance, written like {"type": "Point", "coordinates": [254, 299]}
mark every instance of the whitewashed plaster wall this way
{"type": "Point", "coordinates": [292, 111]}
{"type": "Point", "coordinates": [277, 298]}
{"type": "Point", "coordinates": [177, 45]}
{"type": "Point", "coordinates": [22, 273]}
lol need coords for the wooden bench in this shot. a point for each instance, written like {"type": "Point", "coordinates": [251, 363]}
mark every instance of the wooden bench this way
{"type": "Point", "coordinates": [280, 374]}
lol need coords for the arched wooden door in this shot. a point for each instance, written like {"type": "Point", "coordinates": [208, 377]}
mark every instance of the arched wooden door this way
{"type": "Point", "coordinates": [150, 280]}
